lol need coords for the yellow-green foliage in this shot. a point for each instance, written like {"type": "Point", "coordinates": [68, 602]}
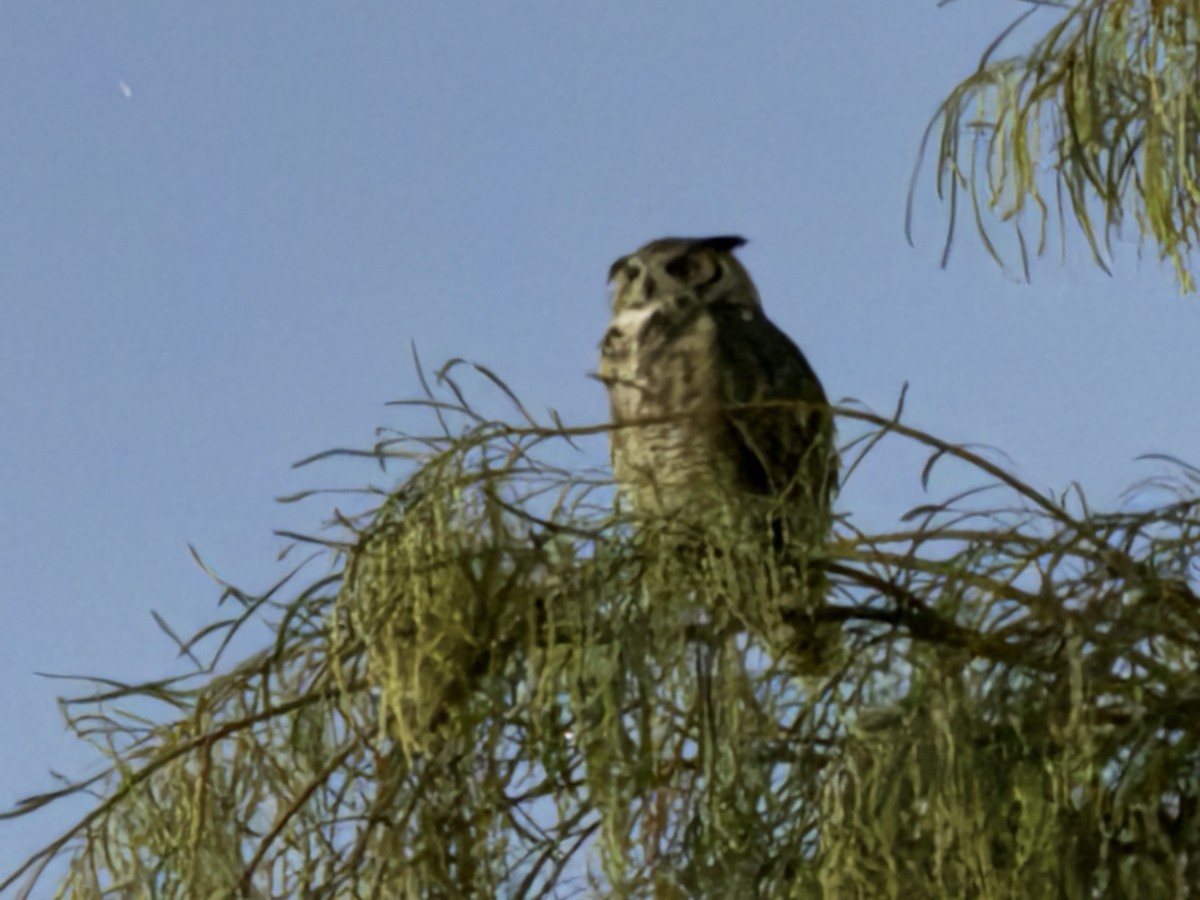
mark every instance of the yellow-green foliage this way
{"type": "Point", "coordinates": [498, 688]}
{"type": "Point", "coordinates": [1107, 100]}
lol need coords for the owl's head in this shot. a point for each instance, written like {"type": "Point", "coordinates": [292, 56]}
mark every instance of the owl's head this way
{"type": "Point", "coordinates": [682, 271]}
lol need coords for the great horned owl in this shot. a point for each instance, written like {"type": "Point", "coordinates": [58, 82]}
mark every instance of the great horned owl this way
{"type": "Point", "coordinates": [718, 417]}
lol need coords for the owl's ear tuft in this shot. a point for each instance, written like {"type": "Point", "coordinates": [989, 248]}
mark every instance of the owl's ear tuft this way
{"type": "Point", "coordinates": [616, 267]}
{"type": "Point", "coordinates": [723, 243]}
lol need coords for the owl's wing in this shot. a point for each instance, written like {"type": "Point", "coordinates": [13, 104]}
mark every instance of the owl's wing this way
{"type": "Point", "coordinates": [782, 450]}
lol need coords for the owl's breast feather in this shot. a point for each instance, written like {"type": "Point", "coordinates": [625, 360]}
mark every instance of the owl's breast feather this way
{"type": "Point", "coordinates": [621, 354]}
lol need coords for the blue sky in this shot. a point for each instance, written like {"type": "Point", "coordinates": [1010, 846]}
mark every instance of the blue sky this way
{"type": "Point", "coordinates": [224, 223]}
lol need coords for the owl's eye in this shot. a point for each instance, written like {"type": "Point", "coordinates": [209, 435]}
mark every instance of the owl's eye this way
{"type": "Point", "coordinates": [680, 267]}
{"type": "Point", "coordinates": [694, 268]}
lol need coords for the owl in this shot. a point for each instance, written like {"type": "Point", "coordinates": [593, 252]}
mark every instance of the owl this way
{"type": "Point", "coordinates": [718, 419]}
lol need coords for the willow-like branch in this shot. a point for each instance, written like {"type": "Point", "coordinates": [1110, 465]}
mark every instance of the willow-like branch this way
{"type": "Point", "coordinates": [1098, 120]}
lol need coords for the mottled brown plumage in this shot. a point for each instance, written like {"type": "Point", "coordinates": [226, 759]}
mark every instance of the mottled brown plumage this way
{"type": "Point", "coordinates": [719, 417]}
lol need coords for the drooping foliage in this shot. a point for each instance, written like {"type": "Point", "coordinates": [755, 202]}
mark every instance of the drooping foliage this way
{"type": "Point", "coordinates": [1098, 120]}
{"type": "Point", "coordinates": [489, 684]}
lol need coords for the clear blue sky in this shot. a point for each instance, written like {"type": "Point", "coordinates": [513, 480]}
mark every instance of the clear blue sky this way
{"type": "Point", "coordinates": [221, 225]}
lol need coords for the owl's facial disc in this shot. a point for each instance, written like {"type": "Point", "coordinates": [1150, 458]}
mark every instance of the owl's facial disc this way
{"type": "Point", "coordinates": [670, 281]}
{"type": "Point", "coordinates": [677, 273]}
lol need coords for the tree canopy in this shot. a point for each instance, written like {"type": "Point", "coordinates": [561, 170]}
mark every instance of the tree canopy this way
{"type": "Point", "coordinates": [488, 684]}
